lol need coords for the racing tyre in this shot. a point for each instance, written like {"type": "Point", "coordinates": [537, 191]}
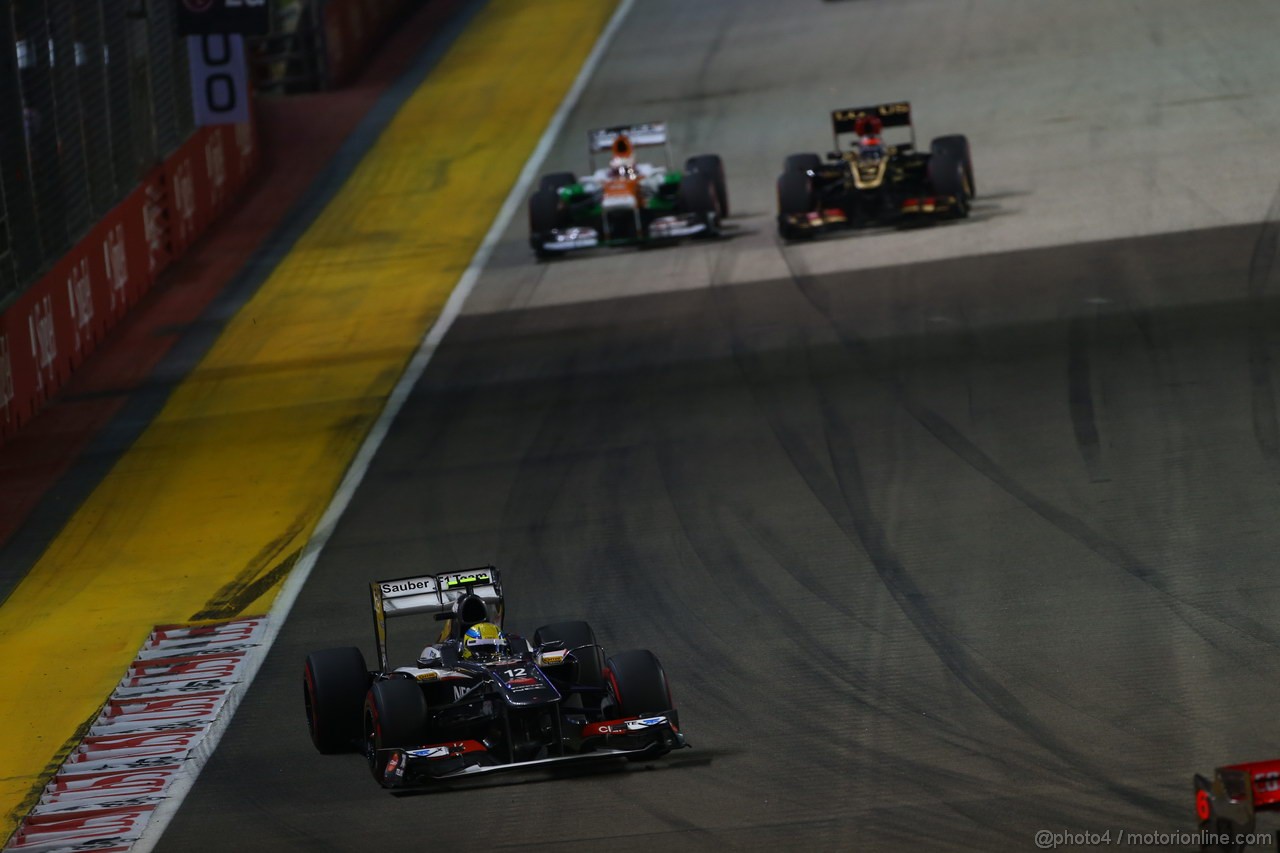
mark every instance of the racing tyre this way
{"type": "Point", "coordinates": [957, 145]}
{"type": "Point", "coordinates": [698, 196]}
{"type": "Point", "coordinates": [544, 217]}
{"type": "Point", "coordinates": [711, 164]}
{"type": "Point", "coordinates": [590, 669]}
{"type": "Point", "coordinates": [639, 684]}
{"type": "Point", "coordinates": [795, 196]}
{"type": "Point", "coordinates": [802, 163]}
{"type": "Point", "coordinates": [639, 687]}
{"type": "Point", "coordinates": [395, 713]}
{"type": "Point", "coordinates": [556, 180]}
{"type": "Point", "coordinates": [946, 176]}
{"type": "Point", "coordinates": [334, 682]}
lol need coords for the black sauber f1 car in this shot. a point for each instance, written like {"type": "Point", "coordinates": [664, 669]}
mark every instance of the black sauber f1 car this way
{"type": "Point", "coordinates": [1227, 806]}
{"type": "Point", "coordinates": [874, 181]}
{"type": "Point", "coordinates": [455, 715]}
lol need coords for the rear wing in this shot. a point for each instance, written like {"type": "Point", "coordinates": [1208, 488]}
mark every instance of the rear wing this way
{"type": "Point", "coordinates": [1237, 793]}
{"type": "Point", "coordinates": [433, 594]}
{"type": "Point", "coordinates": [649, 134]}
{"type": "Point", "coordinates": [896, 114]}
{"type": "Point", "coordinates": [644, 135]}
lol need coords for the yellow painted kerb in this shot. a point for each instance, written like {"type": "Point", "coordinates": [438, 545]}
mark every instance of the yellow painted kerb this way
{"type": "Point", "coordinates": [204, 515]}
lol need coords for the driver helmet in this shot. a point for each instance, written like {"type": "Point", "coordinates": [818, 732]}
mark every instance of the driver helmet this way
{"type": "Point", "coordinates": [484, 641]}
{"type": "Point", "coordinates": [870, 148]}
{"type": "Point", "coordinates": [623, 158]}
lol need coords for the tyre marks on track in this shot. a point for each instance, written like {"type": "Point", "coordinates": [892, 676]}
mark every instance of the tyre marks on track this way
{"type": "Point", "coordinates": [1262, 268]}
{"type": "Point", "coordinates": [822, 661]}
{"type": "Point", "coordinates": [729, 552]}
{"type": "Point", "coordinates": [838, 484]}
{"type": "Point", "coordinates": [1080, 397]}
{"type": "Point", "coordinates": [1241, 630]}
{"type": "Point", "coordinates": [268, 567]}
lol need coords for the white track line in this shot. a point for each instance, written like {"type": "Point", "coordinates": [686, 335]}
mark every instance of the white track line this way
{"type": "Point", "coordinates": [289, 592]}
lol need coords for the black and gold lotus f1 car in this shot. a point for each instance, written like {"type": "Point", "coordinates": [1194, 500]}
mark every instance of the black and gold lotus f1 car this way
{"type": "Point", "coordinates": [873, 179]}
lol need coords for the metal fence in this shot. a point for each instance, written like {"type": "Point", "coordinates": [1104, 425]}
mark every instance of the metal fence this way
{"type": "Point", "coordinates": [93, 94]}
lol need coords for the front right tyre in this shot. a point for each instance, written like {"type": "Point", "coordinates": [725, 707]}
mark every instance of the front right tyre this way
{"type": "Point", "coordinates": [395, 716]}
{"type": "Point", "coordinates": [698, 196]}
{"type": "Point", "coordinates": [546, 214]}
{"type": "Point", "coordinates": [795, 198]}
{"type": "Point", "coordinates": [713, 166]}
{"type": "Point", "coordinates": [639, 688]}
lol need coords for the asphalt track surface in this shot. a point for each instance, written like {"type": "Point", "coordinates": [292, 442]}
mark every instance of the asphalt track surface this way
{"type": "Point", "coordinates": [944, 536]}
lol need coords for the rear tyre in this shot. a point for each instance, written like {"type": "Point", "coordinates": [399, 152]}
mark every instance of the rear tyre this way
{"type": "Point", "coordinates": [698, 196]}
{"type": "Point", "coordinates": [795, 197]}
{"type": "Point", "coordinates": [334, 682]}
{"type": "Point", "coordinates": [802, 163]}
{"type": "Point", "coordinates": [957, 146]}
{"type": "Point", "coordinates": [590, 668]}
{"type": "Point", "coordinates": [545, 216]}
{"type": "Point", "coordinates": [556, 180]}
{"type": "Point", "coordinates": [395, 715]}
{"type": "Point", "coordinates": [711, 164]}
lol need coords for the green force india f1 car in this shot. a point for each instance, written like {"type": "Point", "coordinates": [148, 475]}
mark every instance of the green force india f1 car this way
{"type": "Point", "coordinates": [478, 700]}
{"type": "Point", "coordinates": [625, 202]}
{"type": "Point", "coordinates": [873, 181]}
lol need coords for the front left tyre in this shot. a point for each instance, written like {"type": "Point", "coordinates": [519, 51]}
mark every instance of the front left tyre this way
{"type": "Point", "coordinates": [581, 640]}
{"type": "Point", "coordinates": [334, 683]}
{"type": "Point", "coordinates": [638, 684]}
{"type": "Point", "coordinates": [947, 177]}
{"type": "Point", "coordinates": [957, 147]}
{"type": "Point", "coordinates": [638, 687]}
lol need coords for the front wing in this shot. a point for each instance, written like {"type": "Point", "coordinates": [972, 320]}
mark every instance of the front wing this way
{"type": "Point", "coordinates": [915, 208]}
{"type": "Point", "coordinates": [673, 227]}
{"type": "Point", "coordinates": [442, 762]}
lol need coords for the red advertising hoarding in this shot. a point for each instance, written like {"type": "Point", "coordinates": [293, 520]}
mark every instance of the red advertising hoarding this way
{"type": "Point", "coordinates": [54, 325]}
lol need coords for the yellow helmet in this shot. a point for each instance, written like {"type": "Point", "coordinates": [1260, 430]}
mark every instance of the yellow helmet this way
{"type": "Point", "coordinates": [483, 641]}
